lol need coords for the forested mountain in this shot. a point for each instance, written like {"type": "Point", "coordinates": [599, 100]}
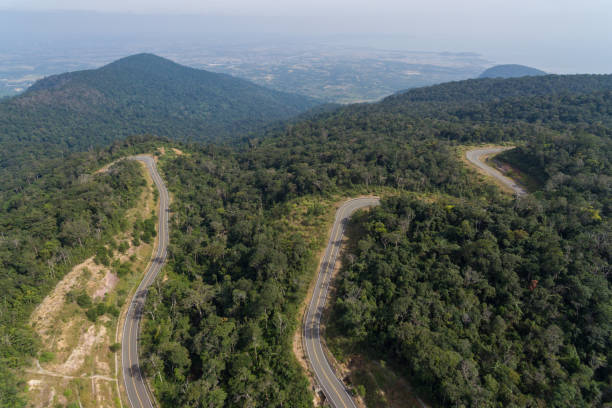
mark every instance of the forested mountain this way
{"type": "Point", "coordinates": [139, 94]}
{"type": "Point", "coordinates": [511, 71]}
{"type": "Point", "coordinates": [491, 89]}
{"type": "Point", "coordinates": [485, 299]}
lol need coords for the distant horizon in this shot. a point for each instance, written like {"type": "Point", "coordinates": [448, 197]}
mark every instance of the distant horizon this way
{"type": "Point", "coordinates": [548, 48]}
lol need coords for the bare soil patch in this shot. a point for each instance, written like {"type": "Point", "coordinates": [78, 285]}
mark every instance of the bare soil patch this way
{"type": "Point", "coordinates": [108, 283]}
{"type": "Point", "coordinates": [91, 334]}
{"type": "Point", "coordinates": [46, 314]}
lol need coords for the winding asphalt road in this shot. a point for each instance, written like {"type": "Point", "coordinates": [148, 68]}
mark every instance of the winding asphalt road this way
{"type": "Point", "coordinates": [135, 384]}
{"type": "Point", "coordinates": [474, 157]}
{"type": "Point", "coordinates": [334, 390]}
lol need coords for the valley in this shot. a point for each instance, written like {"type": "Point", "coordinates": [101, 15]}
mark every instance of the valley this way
{"type": "Point", "coordinates": [323, 70]}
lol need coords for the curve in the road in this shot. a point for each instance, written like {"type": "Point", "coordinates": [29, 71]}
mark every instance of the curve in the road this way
{"type": "Point", "coordinates": [333, 388]}
{"type": "Point", "coordinates": [474, 157]}
{"type": "Point", "coordinates": [136, 386]}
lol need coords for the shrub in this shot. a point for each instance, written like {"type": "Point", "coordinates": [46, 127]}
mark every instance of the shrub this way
{"type": "Point", "coordinates": [83, 300]}
{"type": "Point", "coordinates": [102, 256]}
{"type": "Point", "coordinates": [46, 357]}
{"type": "Point", "coordinates": [123, 247]}
{"type": "Point", "coordinates": [112, 310]}
{"type": "Point", "coordinates": [92, 315]}
{"type": "Point", "coordinates": [96, 311]}
{"type": "Point", "coordinates": [124, 269]}
{"type": "Point", "coordinates": [71, 296]}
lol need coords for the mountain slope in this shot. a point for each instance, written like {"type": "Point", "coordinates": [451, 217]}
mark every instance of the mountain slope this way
{"type": "Point", "coordinates": [143, 93]}
{"type": "Point", "coordinates": [473, 294]}
{"type": "Point", "coordinates": [490, 89]}
{"type": "Point", "coordinates": [483, 300]}
{"type": "Point", "coordinates": [511, 71]}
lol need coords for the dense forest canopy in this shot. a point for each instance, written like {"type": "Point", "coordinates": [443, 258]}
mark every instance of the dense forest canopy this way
{"type": "Point", "coordinates": [482, 303]}
{"type": "Point", "coordinates": [489, 89]}
{"type": "Point", "coordinates": [485, 299]}
{"type": "Point", "coordinates": [509, 244]}
{"type": "Point", "coordinates": [139, 94]}
{"type": "Point", "coordinates": [225, 317]}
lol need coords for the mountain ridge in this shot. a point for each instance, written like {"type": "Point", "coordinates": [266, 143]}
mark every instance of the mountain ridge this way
{"type": "Point", "coordinates": [511, 71]}
{"type": "Point", "coordinates": [489, 89]}
{"type": "Point", "coordinates": [138, 94]}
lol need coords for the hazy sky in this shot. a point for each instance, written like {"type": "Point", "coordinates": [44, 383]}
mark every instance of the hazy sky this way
{"type": "Point", "coordinates": [555, 35]}
{"type": "Point", "coordinates": [481, 8]}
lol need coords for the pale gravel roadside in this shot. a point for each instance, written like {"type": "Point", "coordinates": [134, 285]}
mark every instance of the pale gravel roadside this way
{"type": "Point", "coordinates": [474, 157]}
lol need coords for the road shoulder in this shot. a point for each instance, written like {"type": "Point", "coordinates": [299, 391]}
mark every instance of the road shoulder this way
{"type": "Point", "coordinates": [479, 158]}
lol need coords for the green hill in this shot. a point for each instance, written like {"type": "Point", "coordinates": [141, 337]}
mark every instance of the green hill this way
{"type": "Point", "coordinates": [490, 89]}
{"type": "Point", "coordinates": [142, 93]}
{"type": "Point", "coordinates": [511, 71]}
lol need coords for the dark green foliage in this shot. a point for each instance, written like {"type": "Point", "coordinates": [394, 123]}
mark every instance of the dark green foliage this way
{"type": "Point", "coordinates": [10, 395]}
{"type": "Point", "coordinates": [145, 230]}
{"type": "Point", "coordinates": [489, 89]}
{"type": "Point", "coordinates": [83, 300]}
{"type": "Point", "coordinates": [124, 269]}
{"type": "Point", "coordinates": [100, 309]}
{"type": "Point", "coordinates": [46, 357]}
{"type": "Point", "coordinates": [445, 288]}
{"type": "Point", "coordinates": [219, 332]}
{"type": "Point", "coordinates": [123, 247]}
{"type": "Point", "coordinates": [576, 164]}
{"type": "Point", "coordinates": [480, 301]}
{"type": "Point", "coordinates": [102, 256]}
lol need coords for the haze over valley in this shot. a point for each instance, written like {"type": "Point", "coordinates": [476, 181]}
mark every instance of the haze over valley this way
{"type": "Point", "coordinates": [338, 56]}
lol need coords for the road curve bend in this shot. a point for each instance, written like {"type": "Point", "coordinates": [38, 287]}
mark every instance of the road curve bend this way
{"type": "Point", "coordinates": [474, 157]}
{"type": "Point", "coordinates": [333, 388]}
{"type": "Point", "coordinates": [136, 386]}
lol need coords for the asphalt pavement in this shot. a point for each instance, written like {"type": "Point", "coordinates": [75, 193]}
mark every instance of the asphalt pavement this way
{"type": "Point", "coordinates": [474, 157]}
{"type": "Point", "coordinates": [335, 391]}
{"type": "Point", "coordinates": [136, 386]}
